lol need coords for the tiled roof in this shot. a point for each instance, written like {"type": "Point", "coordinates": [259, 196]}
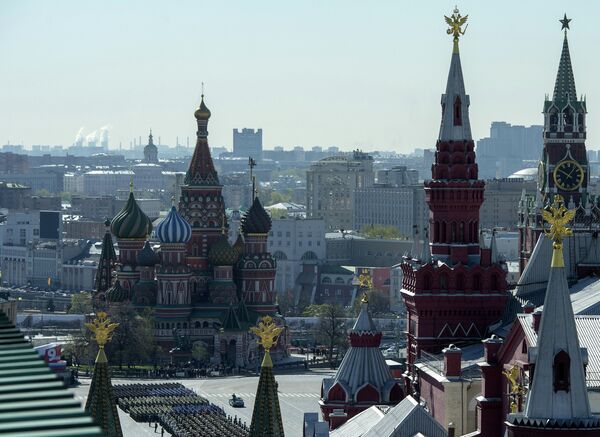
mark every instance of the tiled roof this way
{"type": "Point", "coordinates": [33, 402]}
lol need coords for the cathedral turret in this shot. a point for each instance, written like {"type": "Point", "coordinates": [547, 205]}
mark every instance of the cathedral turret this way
{"type": "Point", "coordinates": [106, 266]}
{"type": "Point", "coordinates": [201, 204]}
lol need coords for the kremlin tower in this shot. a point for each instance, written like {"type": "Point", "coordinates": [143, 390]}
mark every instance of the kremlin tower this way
{"type": "Point", "coordinates": [457, 288]}
{"type": "Point", "coordinates": [363, 378]}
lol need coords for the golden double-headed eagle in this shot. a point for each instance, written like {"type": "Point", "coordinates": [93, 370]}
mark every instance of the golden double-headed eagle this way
{"type": "Point", "coordinates": [456, 21]}
{"type": "Point", "coordinates": [267, 332]}
{"type": "Point", "coordinates": [102, 328]}
{"type": "Point", "coordinates": [558, 216]}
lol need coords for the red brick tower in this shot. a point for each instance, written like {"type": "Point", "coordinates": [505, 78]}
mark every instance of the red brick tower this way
{"type": "Point", "coordinates": [202, 206]}
{"type": "Point", "coordinates": [455, 293]}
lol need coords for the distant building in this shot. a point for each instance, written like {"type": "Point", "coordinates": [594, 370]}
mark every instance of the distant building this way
{"type": "Point", "coordinates": [504, 151]}
{"type": "Point", "coordinates": [391, 205]}
{"type": "Point", "coordinates": [106, 182]}
{"type": "Point", "coordinates": [248, 143]}
{"type": "Point", "coordinates": [294, 242]}
{"type": "Point", "coordinates": [237, 190]}
{"type": "Point", "coordinates": [12, 195]}
{"type": "Point", "coordinates": [13, 163]}
{"type": "Point", "coordinates": [331, 184]}
{"type": "Point", "coordinates": [501, 200]}
{"type": "Point", "coordinates": [150, 152]}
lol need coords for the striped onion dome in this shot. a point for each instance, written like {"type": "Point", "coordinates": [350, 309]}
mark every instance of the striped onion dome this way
{"type": "Point", "coordinates": [131, 222]}
{"type": "Point", "coordinates": [174, 228]}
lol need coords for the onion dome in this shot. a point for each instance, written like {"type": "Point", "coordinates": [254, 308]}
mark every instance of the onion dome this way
{"type": "Point", "coordinates": [239, 245]}
{"type": "Point", "coordinates": [116, 293]}
{"type": "Point", "coordinates": [256, 220]}
{"type": "Point", "coordinates": [147, 257]}
{"type": "Point", "coordinates": [131, 222]}
{"type": "Point", "coordinates": [222, 253]}
{"type": "Point", "coordinates": [202, 113]}
{"type": "Point", "coordinates": [174, 228]}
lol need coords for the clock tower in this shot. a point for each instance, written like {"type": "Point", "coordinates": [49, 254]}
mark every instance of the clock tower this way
{"type": "Point", "coordinates": [563, 167]}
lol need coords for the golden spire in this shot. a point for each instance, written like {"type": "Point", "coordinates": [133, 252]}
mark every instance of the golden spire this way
{"type": "Point", "coordinates": [455, 22]}
{"type": "Point", "coordinates": [558, 216]}
{"type": "Point", "coordinates": [516, 389]}
{"type": "Point", "coordinates": [267, 332]}
{"type": "Point", "coordinates": [365, 280]}
{"type": "Point", "coordinates": [102, 329]}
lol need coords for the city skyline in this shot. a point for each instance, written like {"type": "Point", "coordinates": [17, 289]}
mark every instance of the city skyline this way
{"type": "Point", "coordinates": [300, 73]}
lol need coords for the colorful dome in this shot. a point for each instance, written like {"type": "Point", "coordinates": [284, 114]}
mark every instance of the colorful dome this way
{"type": "Point", "coordinates": [131, 222]}
{"type": "Point", "coordinates": [202, 113]}
{"type": "Point", "coordinates": [174, 228]}
{"type": "Point", "coordinates": [222, 253]}
{"type": "Point", "coordinates": [116, 293]}
{"type": "Point", "coordinates": [147, 257]}
{"type": "Point", "coordinates": [239, 245]}
{"type": "Point", "coordinates": [256, 220]}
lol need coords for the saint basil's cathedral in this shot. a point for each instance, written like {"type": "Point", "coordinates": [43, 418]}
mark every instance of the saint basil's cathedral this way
{"type": "Point", "coordinates": [200, 287]}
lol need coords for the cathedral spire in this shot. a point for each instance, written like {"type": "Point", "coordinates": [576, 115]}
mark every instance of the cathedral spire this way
{"type": "Point", "coordinates": [202, 170]}
{"type": "Point", "coordinates": [455, 102]}
{"type": "Point", "coordinates": [564, 88]}
{"type": "Point", "coordinates": [106, 264]}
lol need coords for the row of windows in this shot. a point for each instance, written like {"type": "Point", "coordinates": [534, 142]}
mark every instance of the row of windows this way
{"type": "Point", "coordinates": [288, 243]}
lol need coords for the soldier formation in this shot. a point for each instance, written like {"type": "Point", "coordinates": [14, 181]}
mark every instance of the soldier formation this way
{"type": "Point", "coordinates": [177, 410]}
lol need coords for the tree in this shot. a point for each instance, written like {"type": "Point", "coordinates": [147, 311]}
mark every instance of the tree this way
{"type": "Point", "coordinates": [200, 352]}
{"type": "Point", "coordinates": [78, 349]}
{"type": "Point", "coordinates": [381, 231]}
{"type": "Point", "coordinates": [42, 192]}
{"type": "Point", "coordinates": [81, 303]}
{"type": "Point", "coordinates": [133, 341]}
{"type": "Point", "coordinates": [331, 328]}
{"type": "Point", "coordinates": [286, 302]}
{"type": "Point", "coordinates": [313, 310]}
{"type": "Point", "coordinates": [379, 303]}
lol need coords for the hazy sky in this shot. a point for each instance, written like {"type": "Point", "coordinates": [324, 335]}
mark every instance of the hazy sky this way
{"type": "Point", "coordinates": [345, 73]}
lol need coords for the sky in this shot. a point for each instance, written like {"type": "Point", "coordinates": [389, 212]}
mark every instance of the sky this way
{"type": "Point", "coordinates": [330, 73]}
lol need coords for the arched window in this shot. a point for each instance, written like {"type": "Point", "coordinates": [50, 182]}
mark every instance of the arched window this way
{"type": "Point", "coordinates": [494, 282]}
{"type": "Point", "coordinates": [561, 369]}
{"type": "Point", "coordinates": [197, 324]}
{"type": "Point", "coordinates": [339, 280]}
{"type": "Point", "coordinates": [443, 281]}
{"type": "Point", "coordinates": [326, 280]}
{"type": "Point", "coordinates": [457, 112]}
{"type": "Point", "coordinates": [477, 282]}
{"type": "Point", "coordinates": [427, 282]}
{"type": "Point", "coordinates": [460, 282]}
{"type": "Point", "coordinates": [205, 325]}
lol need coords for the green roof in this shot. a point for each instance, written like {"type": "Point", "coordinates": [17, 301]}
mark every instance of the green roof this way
{"type": "Point", "coordinates": [33, 402]}
{"type": "Point", "coordinates": [266, 416]}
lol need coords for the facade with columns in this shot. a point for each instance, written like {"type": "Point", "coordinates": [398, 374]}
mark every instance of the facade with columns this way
{"type": "Point", "coordinates": [202, 288]}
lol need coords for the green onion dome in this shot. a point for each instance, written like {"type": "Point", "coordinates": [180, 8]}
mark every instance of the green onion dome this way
{"type": "Point", "coordinates": [202, 113]}
{"type": "Point", "coordinates": [131, 222]}
{"type": "Point", "coordinates": [147, 257]}
{"type": "Point", "coordinates": [256, 220]}
{"type": "Point", "coordinates": [222, 253]}
{"type": "Point", "coordinates": [116, 293]}
{"type": "Point", "coordinates": [239, 245]}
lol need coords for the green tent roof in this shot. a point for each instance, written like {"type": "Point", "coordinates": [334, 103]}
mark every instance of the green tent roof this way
{"type": "Point", "coordinates": [33, 402]}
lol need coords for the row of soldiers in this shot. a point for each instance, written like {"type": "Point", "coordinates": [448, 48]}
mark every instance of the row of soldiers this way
{"type": "Point", "coordinates": [178, 410]}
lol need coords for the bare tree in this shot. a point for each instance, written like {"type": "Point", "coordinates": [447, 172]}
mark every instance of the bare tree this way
{"type": "Point", "coordinates": [331, 328]}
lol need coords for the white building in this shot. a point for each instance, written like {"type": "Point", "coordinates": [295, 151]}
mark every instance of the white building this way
{"type": "Point", "coordinates": [292, 243]}
{"type": "Point", "coordinates": [106, 182]}
{"type": "Point", "coordinates": [73, 183]}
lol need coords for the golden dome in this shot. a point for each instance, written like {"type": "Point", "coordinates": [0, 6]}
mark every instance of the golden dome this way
{"type": "Point", "coordinates": [202, 113]}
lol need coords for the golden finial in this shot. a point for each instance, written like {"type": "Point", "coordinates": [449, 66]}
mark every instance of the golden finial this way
{"type": "Point", "coordinates": [267, 332]}
{"type": "Point", "coordinates": [456, 21]}
{"type": "Point", "coordinates": [558, 216]}
{"type": "Point", "coordinates": [173, 200]}
{"type": "Point", "coordinates": [102, 328]}
{"type": "Point", "coordinates": [516, 389]}
{"type": "Point", "coordinates": [223, 225]}
{"type": "Point", "coordinates": [365, 298]}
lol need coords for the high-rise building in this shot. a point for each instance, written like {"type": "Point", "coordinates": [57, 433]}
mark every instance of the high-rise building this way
{"type": "Point", "coordinates": [248, 143]}
{"type": "Point", "coordinates": [505, 150]}
{"type": "Point", "coordinates": [331, 184]}
{"type": "Point", "coordinates": [455, 289]}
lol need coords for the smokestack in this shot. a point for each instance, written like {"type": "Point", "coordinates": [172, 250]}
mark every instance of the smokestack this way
{"type": "Point", "coordinates": [177, 141]}
{"type": "Point", "coordinates": [188, 142]}
{"type": "Point", "coordinates": [159, 141]}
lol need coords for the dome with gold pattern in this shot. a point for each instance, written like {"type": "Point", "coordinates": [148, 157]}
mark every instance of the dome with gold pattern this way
{"type": "Point", "coordinates": [222, 253]}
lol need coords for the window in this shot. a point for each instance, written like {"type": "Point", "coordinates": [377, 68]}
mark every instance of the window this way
{"type": "Point", "coordinates": [561, 369]}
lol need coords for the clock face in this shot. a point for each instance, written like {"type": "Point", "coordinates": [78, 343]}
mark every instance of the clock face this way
{"type": "Point", "coordinates": [568, 175]}
{"type": "Point", "coordinates": [541, 175]}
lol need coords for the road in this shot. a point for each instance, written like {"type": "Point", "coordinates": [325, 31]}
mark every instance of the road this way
{"type": "Point", "coordinates": [298, 394]}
